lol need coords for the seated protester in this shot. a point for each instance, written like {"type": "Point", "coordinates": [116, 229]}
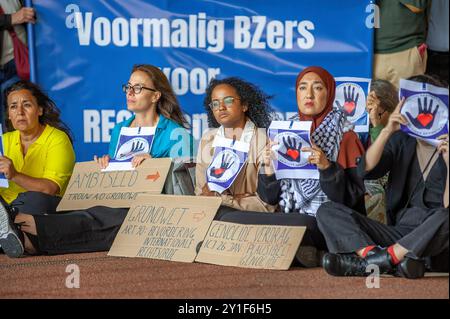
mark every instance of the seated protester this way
{"type": "Point", "coordinates": [417, 209]}
{"type": "Point", "coordinates": [38, 155]}
{"type": "Point", "coordinates": [153, 102]}
{"type": "Point", "coordinates": [381, 102]}
{"type": "Point", "coordinates": [151, 97]}
{"type": "Point", "coordinates": [335, 154]}
{"type": "Point", "coordinates": [239, 111]}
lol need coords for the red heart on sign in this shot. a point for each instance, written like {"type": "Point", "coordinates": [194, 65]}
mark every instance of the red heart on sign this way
{"type": "Point", "coordinates": [294, 154]}
{"type": "Point", "coordinates": [349, 107]}
{"type": "Point", "coordinates": [219, 171]}
{"type": "Point", "coordinates": [425, 119]}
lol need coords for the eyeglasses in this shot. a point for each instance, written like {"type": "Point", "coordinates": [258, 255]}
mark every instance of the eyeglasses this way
{"type": "Point", "coordinates": [227, 101]}
{"type": "Point", "coordinates": [137, 88]}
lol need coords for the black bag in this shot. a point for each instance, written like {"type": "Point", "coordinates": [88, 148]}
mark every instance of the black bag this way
{"type": "Point", "coordinates": [180, 179]}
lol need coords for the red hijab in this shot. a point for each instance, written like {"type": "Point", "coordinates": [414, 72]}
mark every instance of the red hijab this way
{"type": "Point", "coordinates": [350, 148]}
{"type": "Point", "coordinates": [330, 84]}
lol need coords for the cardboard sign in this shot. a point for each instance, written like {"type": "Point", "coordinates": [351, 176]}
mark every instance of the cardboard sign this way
{"type": "Point", "coordinates": [251, 246]}
{"type": "Point", "coordinates": [90, 187]}
{"type": "Point", "coordinates": [165, 227]}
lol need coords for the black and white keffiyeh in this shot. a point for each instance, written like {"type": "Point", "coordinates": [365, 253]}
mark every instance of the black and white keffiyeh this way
{"type": "Point", "coordinates": [305, 195]}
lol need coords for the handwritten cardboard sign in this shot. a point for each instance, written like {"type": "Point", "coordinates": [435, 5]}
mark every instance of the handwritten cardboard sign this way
{"type": "Point", "coordinates": [250, 246]}
{"type": "Point", "coordinates": [165, 227]}
{"type": "Point", "coordinates": [90, 187]}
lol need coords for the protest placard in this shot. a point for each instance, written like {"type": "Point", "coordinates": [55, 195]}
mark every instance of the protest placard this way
{"type": "Point", "coordinates": [250, 246]}
{"type": "Point", "coordinates": [165, 227]}
{"type": "Point", "coordinates": [90, 187]}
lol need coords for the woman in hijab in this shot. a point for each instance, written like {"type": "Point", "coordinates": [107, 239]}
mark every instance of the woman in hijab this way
{"type": "Point", "coordinates": [335, 152]}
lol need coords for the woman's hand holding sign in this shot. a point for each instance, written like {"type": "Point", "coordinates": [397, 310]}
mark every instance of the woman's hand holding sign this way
{"type": "Point", "coordinates": [443, 148]}
{"type": "Point", "coordinates": [375, 151]}
{"type": "Point", "coordinates": [103, 161]}
{"type": "Point", "coordinates": [7, 167]}
{"type": "Point", "coordinates": [138, 159]}
{"type": "Point", "coordinates": [396, 119]}
{"type": "Point", "coordinates": [317, 157]}
{"type": "Point", "coordinates": [269, 156]}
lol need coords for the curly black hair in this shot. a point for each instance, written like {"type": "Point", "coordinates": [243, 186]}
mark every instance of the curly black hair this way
{"type": "Point", "coordinates": [259, 111]}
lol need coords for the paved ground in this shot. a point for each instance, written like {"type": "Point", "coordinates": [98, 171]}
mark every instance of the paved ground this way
{"type": "Point", "coordinates": [111, 277]}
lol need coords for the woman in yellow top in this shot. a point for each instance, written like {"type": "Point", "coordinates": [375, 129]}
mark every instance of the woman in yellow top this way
{"type": "Point", "coordinates": [38, 155]}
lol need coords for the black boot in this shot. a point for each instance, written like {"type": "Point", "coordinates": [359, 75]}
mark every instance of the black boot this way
{"type": "Point", "coordinates": [353, 265]}
{"type": "Point", "coordinates": [410, 268]}
{"type": "Point", "coordinates": [380, 257]}
{"type": "Point", "coordinates": [307, 256]}
{"type": "Point", "coordinates": [407, 268]}
{"type": "Point", "coordinates": [344, 265]}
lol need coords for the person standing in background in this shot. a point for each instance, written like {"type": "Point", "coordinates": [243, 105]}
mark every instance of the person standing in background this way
{"type": "Point", "coordinates": [400, 49]}
{"type": "Point", "coordinates": [437, 40]}
{"type": "Point", "coordinates": [13, 17]}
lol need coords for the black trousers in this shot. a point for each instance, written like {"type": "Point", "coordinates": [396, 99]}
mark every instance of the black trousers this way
{"type": "Point", "coordinates": [90, 230]}
{"type": "Point", "coordinates": [95, 228]}
{"type": "Point", "coordinates": [437, 64]}
{"type": "Point", "coordinates": [36, 203]}
{"type": "Point", "coordinates": [424, 232]}
{"type": "Point", "coordinates": [312, 236]}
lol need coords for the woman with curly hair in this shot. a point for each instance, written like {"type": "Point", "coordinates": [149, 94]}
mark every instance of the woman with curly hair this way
{"type": "Point", "coordinates": [239, 112]}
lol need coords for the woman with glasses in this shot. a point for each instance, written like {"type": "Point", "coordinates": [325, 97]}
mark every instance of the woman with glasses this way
{"type": "Point", "coordinates": [151, 99]}
{"type": "Point", "coordinates": [238, 112]}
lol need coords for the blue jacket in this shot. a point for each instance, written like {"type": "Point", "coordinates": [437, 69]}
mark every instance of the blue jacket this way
{"type": "Point", "coordinates": [171, 139]}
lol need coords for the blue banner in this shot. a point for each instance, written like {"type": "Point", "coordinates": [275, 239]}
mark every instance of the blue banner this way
{"type": "Point", "coordinates": [86, 49]}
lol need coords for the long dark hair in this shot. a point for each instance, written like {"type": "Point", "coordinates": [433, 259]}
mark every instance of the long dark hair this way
{"type": "Point", "coordinates": [51, 115]}
{"type": "Point", "coordinates": [259, 110]}
{"type": "Point", "coordinates": [167, 104]}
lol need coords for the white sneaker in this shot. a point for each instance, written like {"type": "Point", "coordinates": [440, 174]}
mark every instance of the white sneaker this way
{"type": "Point", "coordinates": [10, 239]}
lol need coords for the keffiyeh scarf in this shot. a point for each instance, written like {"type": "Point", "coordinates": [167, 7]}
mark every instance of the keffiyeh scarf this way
{"type": "Point", "coordinates": [305, 195]}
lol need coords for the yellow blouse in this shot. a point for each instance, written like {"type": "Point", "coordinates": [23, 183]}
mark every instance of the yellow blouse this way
{"type": "Point", "coordinates": [51, 157]}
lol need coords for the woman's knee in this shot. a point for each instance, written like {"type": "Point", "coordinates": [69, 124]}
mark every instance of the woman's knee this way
{"type": "Point", "coordinates": [331, 210]}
